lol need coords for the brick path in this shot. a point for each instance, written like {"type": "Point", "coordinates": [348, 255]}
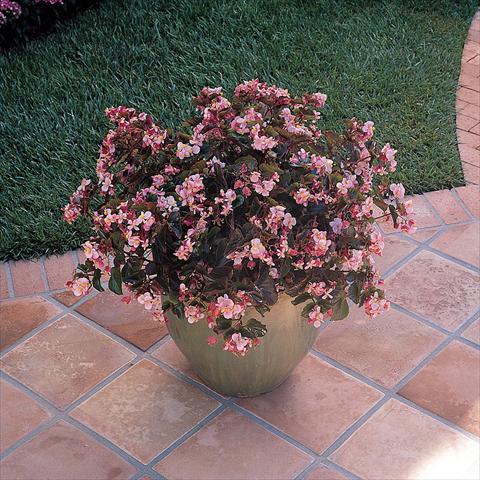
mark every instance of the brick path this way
{"type": "Point", "coordinates": [94, 389]}
{"type": "Point", "coordinates": [468, 105]}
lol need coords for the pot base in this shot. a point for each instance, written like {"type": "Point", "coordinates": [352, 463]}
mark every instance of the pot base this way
{"type": "Point", "coordinates": [262, 369]}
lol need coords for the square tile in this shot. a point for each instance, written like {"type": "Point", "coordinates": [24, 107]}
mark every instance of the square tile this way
{"type": "Point", "coordinates": [64, 453]}
{"type": "Point", "coordinates": [27, 277]}
{"type": "Point", "coordinates": [65, 360]}
{"type": "Point", "coordinates": [471, 173]}
{"type": "Point", "coordinates": [449, 386]}
{"type": "Point", "coordinates": [439, 290]}
{"type": "Point", "coordinates": [472, 333]}
{"type": "Point", "coordinates": [470, 196]}
{"type": "Point", "coordinates": [144, 410]}
{"type": "Point", "coordinates": [385, 348]}
{"type": "Point", "coordinates": [423, 236]}
{"type": "Point", "coordinates": [3, 281]}
{"type": "Point", "coordinates": [172, 356]}
{"type": "Point", "coordinates": [399, 442]}
{"type": "Point", "coordinates": [131, 322]}
{"type": "Point", "coordinates": [462, 242]}
{"type": "Point", "coordinates": [59, 270]}
{"type": "Point", "coordinates": [19, 415]}
{"type": "Point", "coordinates": [395, 249]}
{"type": "Point", "coordinates": [66, 297]}
{"type": "Point", "coordinates": [316, 404]}
{"type": "Point", "coordinates": [233, 446]}
{"type": "Point", "coordinates": [447, 206]}
{"type": "Point", "coordinates": [20, 316]}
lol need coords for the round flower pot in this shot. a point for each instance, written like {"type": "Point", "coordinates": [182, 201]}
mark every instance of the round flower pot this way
{"type": "Point", "coordinates": [263, 368]}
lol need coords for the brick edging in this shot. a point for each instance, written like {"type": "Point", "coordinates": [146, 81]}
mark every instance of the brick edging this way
{"type": "Point", "coordinates": [468, 105]}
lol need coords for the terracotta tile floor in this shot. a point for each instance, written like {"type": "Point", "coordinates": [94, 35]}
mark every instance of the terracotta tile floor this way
{"type": "Point", "coordinates": [91, 390]}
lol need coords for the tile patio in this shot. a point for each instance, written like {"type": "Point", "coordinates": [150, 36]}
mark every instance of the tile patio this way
{"type": "Point", "coordinates": [393, 398]}
{"type": "Point", "coordinates": [94, 391]}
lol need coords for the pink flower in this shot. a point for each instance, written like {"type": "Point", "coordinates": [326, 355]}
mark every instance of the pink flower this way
{"type": "Point", "coordinates": [239, 124]}
{"type": "Point", "coordinates": [147, 300]}
{"type": "Point", "coordinates": [315, 317]}
{"type": "Point", "coordinates": [377, 243]}
{"type": "Point", "coordinates": [398, 190]}
{"type": "Point", "coordinates": [289, 221]}
{"type": "Point", "coordinates": [367, 130]}
{"type": "Point", "coordinates": [154, 138]}
{"type": "Point", "coordinates": [320, 243]}
{"type": "Point", "coordinates": [185, 249]}
{"type": "Point", "coordinates": [302, 196]}
{"type": "Point", "coordinates": [228, 308]}
{"type": "Point", "coordinates": [79, 286]}
{"type": "Point", "coordinates": [257, 250]}
{"type": "Point", "coordinates": [238, 345]}
{"type": "Point", "coordinates": [263, 143]}
{"type": "Point", "coordinates": [354, 260]}
{"type": "Point", "coordinates": [193, 314]}
{"type": "Point", "coordinates": [320, 289]}
{"type": "Point", "coordinates": [184, 150]}
{"type": "Point", "coordinates": [388, 155]}
{"type": "Point", "coordinates": [375, 306]}
{"type": "Point", "coordinates": [212, 340]}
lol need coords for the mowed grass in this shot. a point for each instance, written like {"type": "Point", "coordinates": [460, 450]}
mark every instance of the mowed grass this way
{"type": "Point", "coordinates": [393, 62]}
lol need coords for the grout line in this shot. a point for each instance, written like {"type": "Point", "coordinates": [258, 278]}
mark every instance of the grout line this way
{"type": "Point", "coordinates": [427, 248]}
{"type": "Point", "coordinates": [459, 200]}
{"type": "Point", "coordinates": [432, 209]}
{"type": "Point", "coordinates": [436, 417]}
{"type": "Point", "coordinates": [8, 274]}
{"type": "Point", "coordinates": [356, 426]}
{"type": "Point", "coordinates": [76, 259]}
{"type": "Point", "coordinates": [158, 344]}
{"type": "Point", "coordinates": [419, 318]}
{"type": "Point", "coordinates": [350, 372]}
{"type": "Point", "coordinates": [43, 273]}
{"type": "Point", "coordinates": [31, 333]}
{"type": "Point", "coordinates": [187, 435]}
{"type": "Point", "coordinates": [455, 260]}
{"type": "Point", "coordinates": [328, 463]}
{"type": "Point", "coordinates": [272, 428]}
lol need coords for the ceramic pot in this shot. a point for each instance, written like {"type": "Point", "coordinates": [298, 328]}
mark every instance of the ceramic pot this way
{"type": "Point", "coordinates": [288, 339]}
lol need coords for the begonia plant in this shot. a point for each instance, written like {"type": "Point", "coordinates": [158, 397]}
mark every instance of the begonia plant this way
{"type": "Point", "coordinates": [250, 200]}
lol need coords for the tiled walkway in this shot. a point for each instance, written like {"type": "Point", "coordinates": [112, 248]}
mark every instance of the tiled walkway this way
{"type": "Point", "coordinates": [96, 390]}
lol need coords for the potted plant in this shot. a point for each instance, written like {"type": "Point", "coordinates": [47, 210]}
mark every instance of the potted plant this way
{"type": "Point", "coordinates": [246, 230]}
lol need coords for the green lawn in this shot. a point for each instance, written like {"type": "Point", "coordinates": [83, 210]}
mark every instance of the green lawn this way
{"type": "Point", "coordinates": [393, 62]}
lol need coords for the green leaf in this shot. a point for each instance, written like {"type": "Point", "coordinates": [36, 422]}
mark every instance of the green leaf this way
{"type": "Point", "coordinates": [354, 292]}
{"type": "Point", "coordinates": [266, 285]}
{"type": "Point", "coordinates": [254, 328]}
{"type": "Point", "coordinates": [115, 282]}
{"type": "Point", "coordinates": [394, 214]}
{"type": "Point", "coordinates": [307, 309]}
{"type": "Point", "coordinates": [97, 280]}
{"type": "Point", "coordinates": [262, 309]}
{"type": "Point", "coordinates": [303, 297]}
{"type": "Point", "coordinates": [340, 309]}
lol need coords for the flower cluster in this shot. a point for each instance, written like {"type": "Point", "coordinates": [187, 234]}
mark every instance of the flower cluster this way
{"type": "Point", "coordinates": [250, 201]}
{"type": "Point", "coordinates": [13, 9]}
